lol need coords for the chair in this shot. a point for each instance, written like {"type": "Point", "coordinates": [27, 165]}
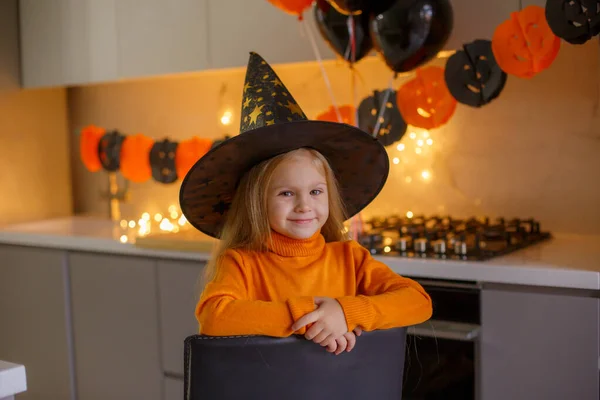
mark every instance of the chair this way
{"type": "Point", "coordinates": [265, 368]}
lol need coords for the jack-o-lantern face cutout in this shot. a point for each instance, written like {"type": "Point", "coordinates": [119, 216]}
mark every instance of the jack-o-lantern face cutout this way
{"type": "Point", "coordinates": [346, 112]}
{"type": "Point", "coordinates": [391, 124]}
{"type": "Point", "coordinates": [189, 152]}
{"type": "Point", "coordinates": [162, 161]}
{"type": "Point", "coordinates": [575, 21]}
{"type": "Point", "coordinates": [472, 74]}
{"type": "Point", "coordinates": [135, 158]}
{"type": "Point", "coordinates": [425, 101]}
{"type": "Point", "coordinates": [89, 142]}
{"type": "Point", "coordinates": [109, 150]}
{"type": "Point", "coordinates": [524, 45]}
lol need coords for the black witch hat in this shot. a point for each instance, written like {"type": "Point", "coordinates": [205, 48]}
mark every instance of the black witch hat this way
{"type": "Point", "coordinates": [273, 123]}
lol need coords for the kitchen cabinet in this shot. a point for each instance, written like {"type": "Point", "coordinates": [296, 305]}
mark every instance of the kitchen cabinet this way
{"type": "Point", "coordinates": [68, 42]}
{"type": "Point", "coordinates": [539, 346]}
{"type": "Point", "coordinates": [34, 319]}
{"type": "Point", "coordinates": [115, 326]}
{"type": "Point", "coordinates": [173, 389]}
{"type": "Point", "coordinates": [237, 27]}
{"type": "Point", "coordinates": [10, 77]}
{"type": "Point", "coordinates": [178, 283]}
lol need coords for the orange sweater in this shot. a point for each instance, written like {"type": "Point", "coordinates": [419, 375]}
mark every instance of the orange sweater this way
{"type": "Point", "coordinates": [264, 293]}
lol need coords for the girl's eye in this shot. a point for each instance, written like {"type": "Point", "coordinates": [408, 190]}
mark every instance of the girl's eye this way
{"type": "Point", "coordinates": [316, 192]}
{"type": "Point", "coordinates": [286, 193]}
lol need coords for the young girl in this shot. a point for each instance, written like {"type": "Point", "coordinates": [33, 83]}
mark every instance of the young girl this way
{"type": "Point", "coordinates": [284, 264]}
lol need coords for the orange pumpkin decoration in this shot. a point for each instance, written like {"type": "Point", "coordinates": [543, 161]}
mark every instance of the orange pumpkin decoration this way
{"type": "Point", "coordinates": [425, 101]}
{"type": "Point", "coordinates": [88, 147]}
{"type": "Point", "coordinates": [294, 7]}
{"type": "Point", "coordinates": [347, 113]}
{"type": "Point", "coordinates": [135, 158]}
{"type": "Point", "coordinates": [524, 44]}
{"type": "Point", "coordinates": [188, 152]}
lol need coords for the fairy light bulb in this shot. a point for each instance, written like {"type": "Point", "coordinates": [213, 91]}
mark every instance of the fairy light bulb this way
{"type": "Point", "coordinates": [420, 142]}
{"type": "Point", "coordinates": [426, 175]}
{"type": "Point", "coordinates": [409, 214]}
{"type": "Point", "coordinates": [123, 239]}
{"type": "Point", "coordinates": [396, 160]}
{"type": "Point", "coordinates": [146, 216]}
{"type": "Point", "coordinates": [412, 135]}
{"type": "Point", "coordinates": [400, 147]}
{"type": "Point", "coordinates": [418, 150]}
{"type": "Point", "coordinates": [124, 224]}
{"type": "Point", "coordinates": [132, 224]}
{"type": "Point", "coordinates": [426, 134]}
{"type": "Point", "coordinates": [429, 141]}
{"type": "Point", "coordinates": [227, 117]}
{"type": "Point", "coordinates": [158, 217]}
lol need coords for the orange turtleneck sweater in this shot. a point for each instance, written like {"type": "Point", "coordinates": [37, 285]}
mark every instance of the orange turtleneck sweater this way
{"type": "Point", "coordinates": [264, 293]}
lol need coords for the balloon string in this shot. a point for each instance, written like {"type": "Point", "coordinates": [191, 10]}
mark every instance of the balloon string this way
{"type": "Point", "coordinates": [315, 48]}
{"type": "Point", "coordinates": [382, 107]}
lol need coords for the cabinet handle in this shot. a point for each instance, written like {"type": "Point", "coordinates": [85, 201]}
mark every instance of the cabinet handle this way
{"type": "Point", "coordinates": [446, 330]}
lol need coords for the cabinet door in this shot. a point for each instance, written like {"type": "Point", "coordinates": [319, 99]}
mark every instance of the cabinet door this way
{"type": "Point", "coordinates": [115, 324]}
{"type": "Point", "coordinates": [179, 293]}
{"type": "Point", "coordinates": [161, 37]}
{"type": "Point", "coordinates": [539, 346]}
{"type": "Point", "coordinates": [475, 19]}
{"type": "Point", "coordinates": [33, 319]}
{"type": "Point", "coordinates": [237, 27]}
{"type": "Point", "coordinates": [67, 42]}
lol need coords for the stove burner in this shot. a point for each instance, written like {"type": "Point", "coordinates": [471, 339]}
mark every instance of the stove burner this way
{"type": "Point", "coordinates": [438, 237]}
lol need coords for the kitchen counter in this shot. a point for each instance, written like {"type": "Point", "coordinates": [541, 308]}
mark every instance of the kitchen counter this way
{"type": "Point", "coordinates": [12, 380]}
{"type": "Point", "coordinates": [566, 260]}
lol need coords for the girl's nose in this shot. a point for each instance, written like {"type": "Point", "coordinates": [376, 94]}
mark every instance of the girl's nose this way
{"type": "Point", "coordinates": [302, 205]}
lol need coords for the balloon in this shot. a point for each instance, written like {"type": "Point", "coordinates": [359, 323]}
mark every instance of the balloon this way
{"type": "Point", "coordinates": [294, 7]}
{"type": "Point", "coordinates": [356, 7]}
{"type": "Point", "coordinates": [334, 29]}
{"type": "Point", "coordinates": [347, 113]}
{"type": "Point", "coordinates": [412, 32]}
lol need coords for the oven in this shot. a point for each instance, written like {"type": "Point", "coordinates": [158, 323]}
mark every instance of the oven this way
{"type": "Point", "coordinates": [442, 356]}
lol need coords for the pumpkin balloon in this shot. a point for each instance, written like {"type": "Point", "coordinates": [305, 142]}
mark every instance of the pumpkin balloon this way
{"type": "Point", "coordinates": [575, 21]}
{"type": "Point", "coordinates": [425, 101]}
{"type": "Point", "coordinates": [162, 161]}
{"type": "Point", "coordinates": [188, 152]}
{"type": "Point", "coordinates": [347, 113]}
{"type": "Point", "coordinates": [88, 147]}
{"type": "Point", "coordinates": [294, 7]}
{"type": "Point", "coordinates": [109, 151]}
{"type": "Point", "coordinates": [135, 158]}
{"type": "Point", "coordinates": [524, 44]}
{"type": "Point", "coordinates": [391, 124]}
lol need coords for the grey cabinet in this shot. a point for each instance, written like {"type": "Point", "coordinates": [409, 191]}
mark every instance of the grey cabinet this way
{"type": "Point", "coordinates": [178, 293]}
{"type": "Point", "coordinates": [539, 346]}
{"type": "Point", "coordinates": [33, 319]}
{"type": "Point", "coordinates": [115, 326]}
{"type": "Point", "coordinates": [173, 389]}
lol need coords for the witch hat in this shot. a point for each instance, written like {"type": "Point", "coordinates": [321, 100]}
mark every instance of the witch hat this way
{"type": "Point", "coordinates": [273, 123]}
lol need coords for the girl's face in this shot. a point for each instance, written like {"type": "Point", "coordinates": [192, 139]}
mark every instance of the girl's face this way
{"type": "Point", "coordinates": [297, 198]}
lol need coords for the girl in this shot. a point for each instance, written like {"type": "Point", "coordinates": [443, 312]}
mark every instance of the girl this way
{"type": "Point", "coordinates": [284, 264]}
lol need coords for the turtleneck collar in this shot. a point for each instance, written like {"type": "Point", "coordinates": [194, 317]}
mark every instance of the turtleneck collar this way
{"type": "Point", "coordinates": [288, 247]}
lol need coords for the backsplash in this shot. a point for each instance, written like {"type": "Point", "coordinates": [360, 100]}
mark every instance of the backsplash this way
{"type": "Point", "coordinates": [533, 152]}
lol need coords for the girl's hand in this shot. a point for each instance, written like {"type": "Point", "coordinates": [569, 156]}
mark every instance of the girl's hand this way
{"type": "Point", "coordinates": [329, 324]}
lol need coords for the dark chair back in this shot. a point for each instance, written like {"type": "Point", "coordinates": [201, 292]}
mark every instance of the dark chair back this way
{"type": "Point", "coordinates": [265, 368]}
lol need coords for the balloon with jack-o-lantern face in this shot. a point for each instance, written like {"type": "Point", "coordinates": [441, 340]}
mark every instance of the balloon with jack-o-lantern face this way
{"type": "Point", "coordinates": [425, 101]}
{"type": "Point", "coordinates": [162, 161]}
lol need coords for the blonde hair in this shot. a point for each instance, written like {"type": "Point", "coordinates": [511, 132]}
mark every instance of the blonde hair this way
{"type": "Point", "coordinates": [247, 224]}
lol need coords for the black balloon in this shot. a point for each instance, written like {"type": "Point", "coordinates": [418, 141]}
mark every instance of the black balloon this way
{"type": "Point", "coordinates": [575, 21]}
{"type": "Point", "coordinates": [162, 161]}
{"type": "Point", "coordinates": [412, 32]}
{"type": "Point", "coordinates": [392, 126]}
{"type": "Point", "coordinates": [109, 150]}
{"type": "Point", "coordinates": [333, 26]}
{"type": "Point", "coordinates": [472, 75]}
{"type": "Point", "coordinates": [355, 7]}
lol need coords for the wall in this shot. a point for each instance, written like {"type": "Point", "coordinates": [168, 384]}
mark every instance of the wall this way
{"type": "Point", "coordinates": [35, 177]}
{"type": "Point", "coordinates": [531, 153]}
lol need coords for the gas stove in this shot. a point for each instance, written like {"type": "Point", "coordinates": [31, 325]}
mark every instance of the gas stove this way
{"type": "Point", "coordinates": [469, 239]}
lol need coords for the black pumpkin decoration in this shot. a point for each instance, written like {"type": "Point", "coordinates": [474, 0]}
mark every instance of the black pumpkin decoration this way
{"type": "Point", "coordinates": [392, 126]}
{"type": "Point", "coordinates": [575, 21]}
{"type": "Point", "coordinates": [162, 161]}
{"type": "Point", "coordinates": [473, 76]}
{"type": "Point", "coordinates": [109, 150]}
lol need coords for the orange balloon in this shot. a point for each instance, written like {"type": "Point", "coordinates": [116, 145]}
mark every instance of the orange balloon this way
{"type": "Point", "coordinates": [425, 101]}
{"type": "Point", "coordinates": [524, 44]}
{"type": "Point", "coordinates": [188, 152]}
{"type": "Point", "coordinates": [88, 147]}
{"type": "Point", "coordinates": [347, 113]}
{"type": "Point", "coordinates": [294, 7]}
{"type": "Point", "coordinates": [135, 158]}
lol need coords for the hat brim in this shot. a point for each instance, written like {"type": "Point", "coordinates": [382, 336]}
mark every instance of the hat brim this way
{"type": "Point", "coordinates": [359, 161]}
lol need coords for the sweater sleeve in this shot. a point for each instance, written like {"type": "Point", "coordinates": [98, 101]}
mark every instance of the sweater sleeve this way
{"type": "Point", "coordinates": [384, 299]}
{"type": "Point", "coordinates": [225, 307]}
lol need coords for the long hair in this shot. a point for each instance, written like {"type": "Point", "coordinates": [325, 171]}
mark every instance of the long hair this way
{"type": "Point", "coordinates": [247, 224]}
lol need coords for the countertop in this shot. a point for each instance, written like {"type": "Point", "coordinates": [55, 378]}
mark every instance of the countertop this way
{"type": "Point", "coordinates": [566, 260]}
{"type": "Point", "coordinates": [12, 379]}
